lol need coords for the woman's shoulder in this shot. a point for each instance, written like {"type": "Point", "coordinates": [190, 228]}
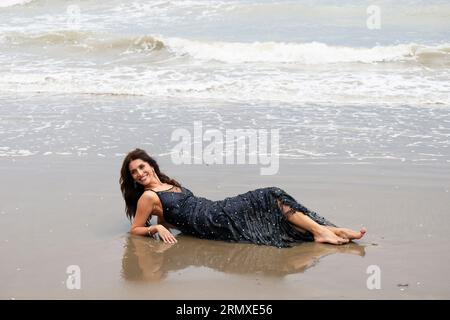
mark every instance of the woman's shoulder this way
{"type": "Point", "coordinates": [148, 196]}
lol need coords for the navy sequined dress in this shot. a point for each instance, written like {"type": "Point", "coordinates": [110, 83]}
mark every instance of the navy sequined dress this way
{"type": "Point", "coordinates": [258, 216]}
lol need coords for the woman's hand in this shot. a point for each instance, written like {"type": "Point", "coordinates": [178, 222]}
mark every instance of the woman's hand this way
{"type": "Point", "coordinates": [165, 234]}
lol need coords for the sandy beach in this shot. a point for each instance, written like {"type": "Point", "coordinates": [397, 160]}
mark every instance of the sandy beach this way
{"type": "Point", "coordinates": [59, 210]}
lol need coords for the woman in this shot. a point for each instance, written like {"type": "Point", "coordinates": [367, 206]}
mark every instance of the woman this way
{"type": "Point", "coordinates": [266, 216]}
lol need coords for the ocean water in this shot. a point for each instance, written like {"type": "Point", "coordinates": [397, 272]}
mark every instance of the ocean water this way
{"type": "Point", "coordinates": [354, 81]}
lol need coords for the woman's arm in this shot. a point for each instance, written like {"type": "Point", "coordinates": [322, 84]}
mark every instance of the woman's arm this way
{"type": "Point", "coordinates": [144, 211]}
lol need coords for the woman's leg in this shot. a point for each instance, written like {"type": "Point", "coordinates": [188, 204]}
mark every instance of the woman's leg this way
{"type": "Point", "coordinates": [324, 234]}
{"type": "Point", "coordinates": [320, 233]}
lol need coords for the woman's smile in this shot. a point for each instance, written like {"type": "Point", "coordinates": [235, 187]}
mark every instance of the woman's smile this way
{"type": "Point", "coordinates": [143, 178]}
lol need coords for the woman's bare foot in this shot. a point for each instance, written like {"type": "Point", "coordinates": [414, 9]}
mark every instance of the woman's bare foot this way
{"type": "Point", "coordinates": [348, 233]}
{"type": "Point", "coordinates": [325, 235]}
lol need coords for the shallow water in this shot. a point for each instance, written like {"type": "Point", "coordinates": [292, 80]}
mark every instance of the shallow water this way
{"type": "Point", "coordinates": [108, 126]}
{"type": "Point", "coordinates": [276, 51]}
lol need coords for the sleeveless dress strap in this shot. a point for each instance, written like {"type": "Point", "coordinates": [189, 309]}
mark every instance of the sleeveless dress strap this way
{"type": "Point", "coordinates": [159, 190]}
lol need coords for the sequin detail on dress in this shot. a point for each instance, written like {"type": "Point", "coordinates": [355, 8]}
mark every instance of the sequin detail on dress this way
{"type": "Point", "coordinates": [258, 216]}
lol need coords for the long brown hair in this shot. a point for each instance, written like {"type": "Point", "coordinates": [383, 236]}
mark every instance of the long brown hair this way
{"type": "Point", "coordinates": [131, 192]}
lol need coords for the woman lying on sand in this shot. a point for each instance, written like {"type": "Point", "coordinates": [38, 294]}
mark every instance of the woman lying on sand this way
{"type": "Point", "coordinates": [266, 216]}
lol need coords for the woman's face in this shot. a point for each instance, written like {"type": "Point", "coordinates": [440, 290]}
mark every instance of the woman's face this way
{"type": "Point", "coordinates": [141, 171]}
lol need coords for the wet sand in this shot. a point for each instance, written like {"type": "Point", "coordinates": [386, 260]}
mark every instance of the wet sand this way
{"type": "Point", "coordinates": [58, 211]}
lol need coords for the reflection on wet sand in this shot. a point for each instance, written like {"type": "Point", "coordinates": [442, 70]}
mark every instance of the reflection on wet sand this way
{"type": "Point", "coordinates": [151, 260]}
